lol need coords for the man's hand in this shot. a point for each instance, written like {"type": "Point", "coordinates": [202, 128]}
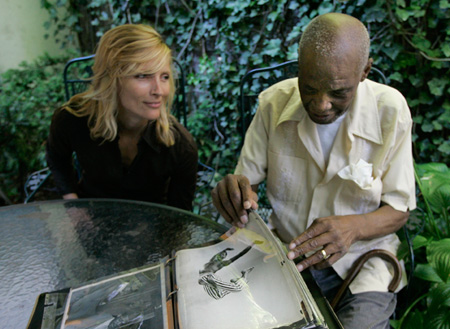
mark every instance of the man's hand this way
{"type": "Point", "coordinates": [334, 235]}
{"type": "Point", "coordinates": [331, 237]}
{"type": "Point", "coordinates": [232, 196]}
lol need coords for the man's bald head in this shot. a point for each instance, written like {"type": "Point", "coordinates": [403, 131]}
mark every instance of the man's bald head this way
{"type": "Point", "coordinates": [333, 35]}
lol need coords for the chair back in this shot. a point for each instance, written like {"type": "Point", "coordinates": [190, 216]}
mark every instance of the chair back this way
{"type": "Point", "coordinates": [78, 72]}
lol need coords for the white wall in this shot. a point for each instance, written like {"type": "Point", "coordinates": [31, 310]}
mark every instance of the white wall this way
{"type": "Point", "coordinates": [22, 33]}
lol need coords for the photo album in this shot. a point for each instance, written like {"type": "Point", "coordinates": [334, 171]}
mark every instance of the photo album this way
{"type": "Point", "coordinates": [243, 281]}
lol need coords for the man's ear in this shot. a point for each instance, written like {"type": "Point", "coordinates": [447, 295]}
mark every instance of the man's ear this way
{"type": "Point", "coordinates": [366, 70]}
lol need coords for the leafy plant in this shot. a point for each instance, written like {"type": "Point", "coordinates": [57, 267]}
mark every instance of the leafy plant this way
{"type": "Point", "coordinates": [431, 307]}
{"type": "Point", "coordinates": [219, 41]}
{"type": "Point", "coordinates": [28, 97]}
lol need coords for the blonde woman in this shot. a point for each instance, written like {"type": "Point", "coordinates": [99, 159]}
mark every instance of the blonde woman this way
{"type": "Point", "coordinates": [127, 143]}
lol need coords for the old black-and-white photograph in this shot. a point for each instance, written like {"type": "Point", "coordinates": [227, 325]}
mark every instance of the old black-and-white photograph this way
{"type": "Point", "coordinates": [237, 283]}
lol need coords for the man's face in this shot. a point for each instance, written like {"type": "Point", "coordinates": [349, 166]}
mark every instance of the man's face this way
{"type": "Point", "coordinates": [327, 86]}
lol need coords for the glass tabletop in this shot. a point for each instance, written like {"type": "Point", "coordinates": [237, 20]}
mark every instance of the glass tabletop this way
{"type": "Point", "coordinates": [51, 245]}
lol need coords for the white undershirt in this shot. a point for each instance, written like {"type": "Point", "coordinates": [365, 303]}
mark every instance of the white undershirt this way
{"type": "Point", "coordinates": [327, 134]}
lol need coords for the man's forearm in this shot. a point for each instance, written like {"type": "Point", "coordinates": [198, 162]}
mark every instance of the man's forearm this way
{"type": "Point", "coordinates": [383, 221]}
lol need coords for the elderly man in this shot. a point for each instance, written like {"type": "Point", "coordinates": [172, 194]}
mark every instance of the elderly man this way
{"type": "Point", "coordinates": [335, 149]}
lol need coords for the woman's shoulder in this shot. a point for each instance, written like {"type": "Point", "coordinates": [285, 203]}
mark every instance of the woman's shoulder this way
{"type": "Point", "coordinates": [66, 117]}
{"type": "Point", "coordinates": [182, 136]}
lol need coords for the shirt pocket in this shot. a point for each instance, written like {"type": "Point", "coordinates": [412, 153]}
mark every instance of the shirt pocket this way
{"type": "Point", "coordinates": [352, 199]}
{"type": "Point", "coordinates": [285, 176]}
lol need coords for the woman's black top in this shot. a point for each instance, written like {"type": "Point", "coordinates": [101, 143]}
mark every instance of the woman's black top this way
{"type": "Point", "coordinates": [159, 174]}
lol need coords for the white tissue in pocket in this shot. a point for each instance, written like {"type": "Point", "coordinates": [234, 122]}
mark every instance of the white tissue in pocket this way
{"type": "Point", "coordinates": [360, 173]}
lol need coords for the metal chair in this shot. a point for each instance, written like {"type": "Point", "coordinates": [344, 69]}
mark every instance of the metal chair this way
{"type": "Point", "coordinates": [34, 182]}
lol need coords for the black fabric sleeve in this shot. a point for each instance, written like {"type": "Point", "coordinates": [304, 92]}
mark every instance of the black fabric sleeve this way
{"type": "Point", "coordinates": [59, 150]}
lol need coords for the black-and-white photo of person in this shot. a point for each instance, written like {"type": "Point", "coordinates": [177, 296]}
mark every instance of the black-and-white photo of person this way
{"type": "Point", "coordinates": [215, 286]}
{"type": "Point", "coordinates": [240, 282]}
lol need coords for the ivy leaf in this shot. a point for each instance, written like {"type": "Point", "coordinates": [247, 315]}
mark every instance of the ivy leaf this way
{"type": "Point", "coordinates": [446, 49]}
{"type": "Point", "coordinates": [273, 48]}
{"type": "Point", "coordinates": [232, 19]}
{"type": "Point", "coordinates": [404, 14]}
{"type": "Point", "coordinates": [427, 127]}
{"type": "Point", "coordinates": [293, 5]}
{"type": "Point", "coordinates": [437, 125]}
{"type": "Point", "coordinates": [444, 4]}
{"type": "Point", "coordinates": [421, 42]}
{"type": "Point", "coordinates": [375, 15]}
{"type": "Point", "coordinates": [418, 118]}
{"type": "Point", "coordinates": [396, 76]}
{"type": "Point", "coordinates": [437, 86]}
{"type": "Point", "coordinates": [273, 16]}
{"type": "Point", "coordinates": [392, 52]}
{"type": "Point", "coordinates": [416, 81]}
{"type": "Point", "coordinates": [444, 147]}
{"type": "Point", "coordinates": [183, 20]}
{"type": "Point", "coordinates": [325, 7]}
{"type": "Point", "coordinates": [419, 13]}
{"type": "Point", "coordinates": [71, 20]}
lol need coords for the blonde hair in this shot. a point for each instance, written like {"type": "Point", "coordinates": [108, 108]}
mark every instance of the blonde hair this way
{"type": "Point", "coordinates": [122, 52]}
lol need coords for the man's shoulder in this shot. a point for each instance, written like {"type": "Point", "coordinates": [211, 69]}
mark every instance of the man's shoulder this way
{"type": "Point", "coordinates": [389, 101]}
{"type": "Point", "coordinates": [282, 97]}
{"type": "Point", "coordinates": [284, 87]}
{"type": "Point", "coordinates": [385, 94]}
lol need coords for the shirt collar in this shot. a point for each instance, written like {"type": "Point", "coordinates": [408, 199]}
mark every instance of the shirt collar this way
{"type": "Point", "coordinates": [363, 116]}
{"type": "Point", "coordinates": [362, 111]}
{"type": "Point", "coordinates": [293, 110]}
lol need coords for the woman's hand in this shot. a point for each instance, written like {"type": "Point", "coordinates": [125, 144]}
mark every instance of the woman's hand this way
{"type": "Point", "coordinates": [70, 196]}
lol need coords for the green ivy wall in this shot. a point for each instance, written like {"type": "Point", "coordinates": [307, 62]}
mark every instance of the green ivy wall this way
{"type": "Point", "coordinates": [219, 41]}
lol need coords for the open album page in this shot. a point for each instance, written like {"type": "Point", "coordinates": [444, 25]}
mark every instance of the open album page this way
{"type": "Point", "coordinates": [132, 300]}
{"type": "Point", "coordinates": [244, 281]}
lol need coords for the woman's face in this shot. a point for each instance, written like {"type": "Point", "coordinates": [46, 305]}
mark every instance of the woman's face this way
{"type": "Point", "coordinates": [143, 96]}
